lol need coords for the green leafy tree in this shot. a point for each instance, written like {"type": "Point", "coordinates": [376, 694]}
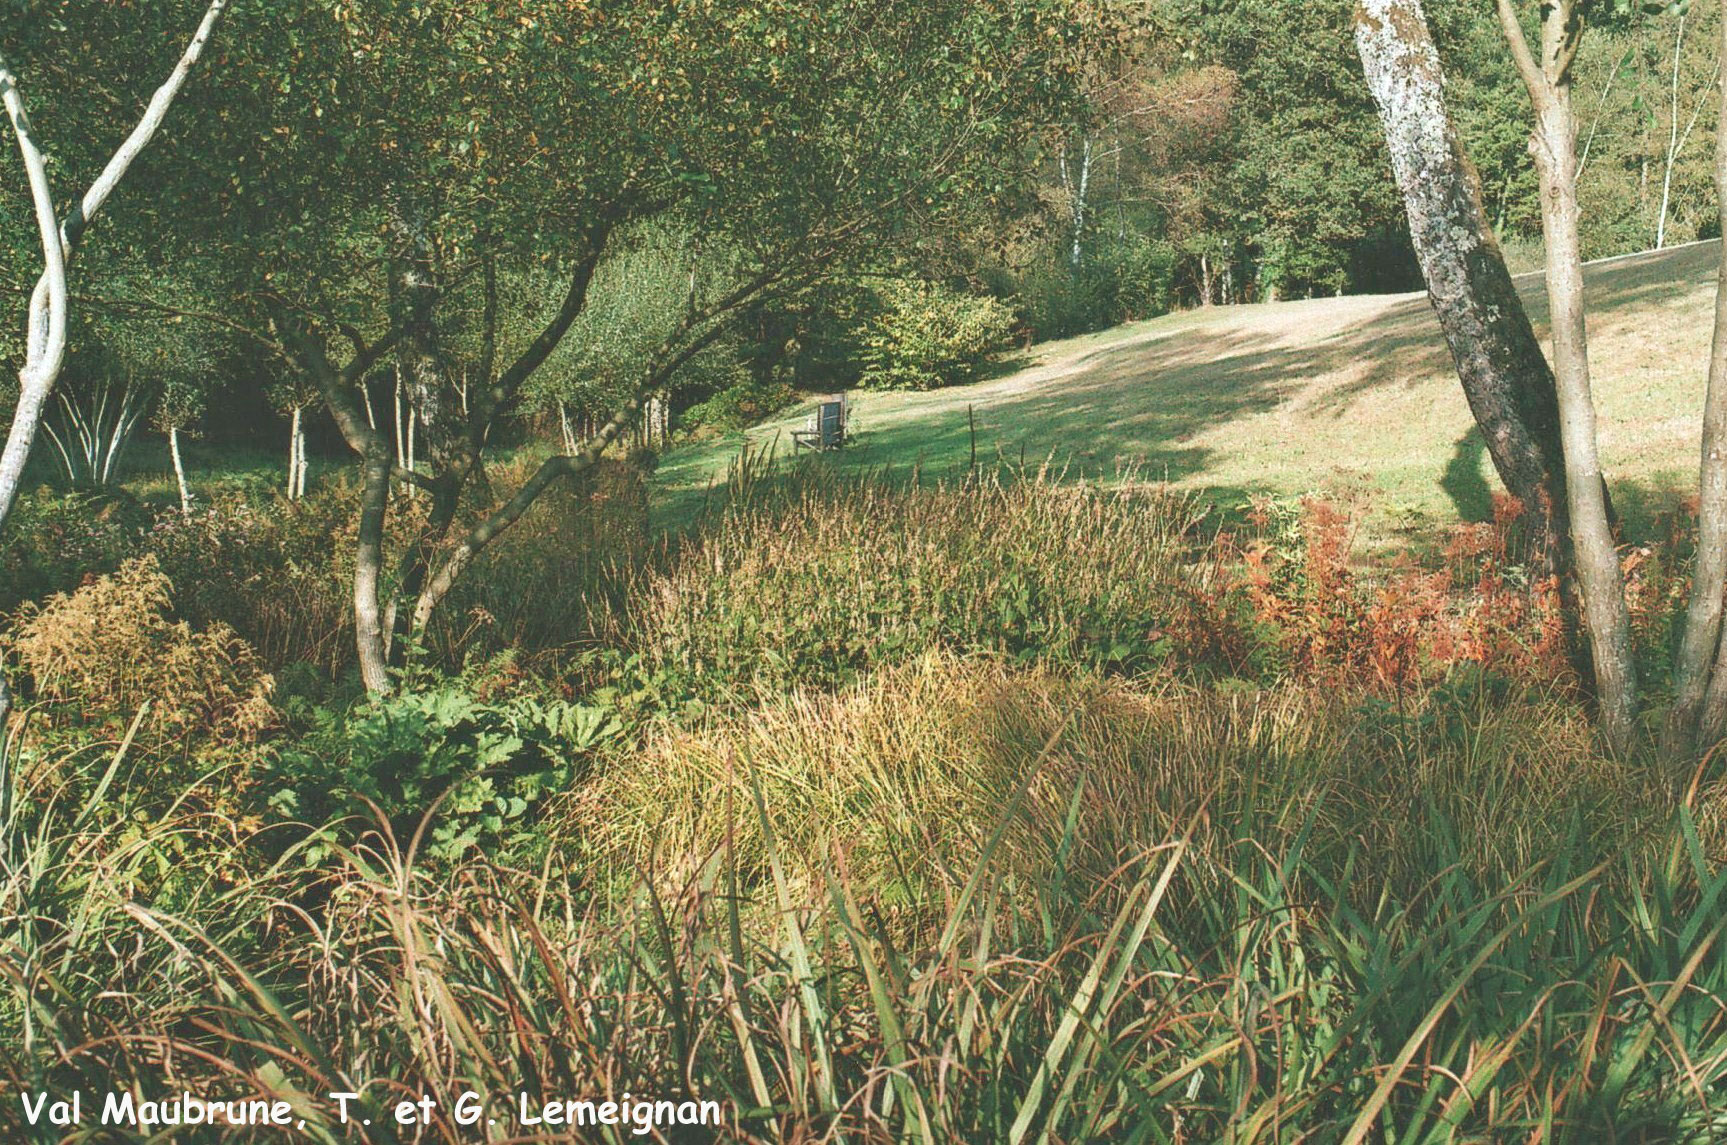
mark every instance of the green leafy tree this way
{"type": "Point", "coordinates": [380, 158]}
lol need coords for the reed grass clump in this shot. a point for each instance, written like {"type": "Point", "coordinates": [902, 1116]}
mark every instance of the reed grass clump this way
{"type": "Point", "coordinates": [904, 767]}
{"type": "Point", "coordinates": [996, 811]}
{"type": "Point", "coordinates": [817, 581]}
{"type": "Point", "coordinates": [1218, 983]}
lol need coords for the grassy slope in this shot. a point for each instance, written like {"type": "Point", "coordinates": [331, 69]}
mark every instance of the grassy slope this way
{"type": "Point", "coordinates": [1292, 397]}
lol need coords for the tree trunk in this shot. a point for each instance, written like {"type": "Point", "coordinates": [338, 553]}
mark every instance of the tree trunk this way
{"type": "Point", "coordinates": [569, 432]}
{"type": "Point", "coordinates": [294, 455]}
{"type": "Point", "coordinates": [368, 568]}
{"type": "Point", "coordinates": [303, 463]}
{"type": "Point", "coordinates": [416, 564]}
{"type": "Point", "coordinates": [179, 470]}
{"type": "Point", "coordinates": [658, 374]}
{"type": "Point", "coordinates": [401, 437]}
{"type": "Point", "coordinates": [1677, 139]}
{"type": "Point", "coordinates": [1701, 641]}
{"type": "Point", "coordinates": [1672, 138]}
{"type": "Point", "coordinates": [1599, 575]}
{"type": "Point", "coordinates": [45, 343]}
{"type": "Point", "coordinates": [1505, 376]}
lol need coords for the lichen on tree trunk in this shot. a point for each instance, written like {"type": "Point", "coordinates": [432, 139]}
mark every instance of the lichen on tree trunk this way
{"type": "Point", "coordinates": [1505, 377]}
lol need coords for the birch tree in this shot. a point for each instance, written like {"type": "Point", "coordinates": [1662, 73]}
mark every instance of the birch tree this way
{"type": "Point", "coordinates": [1403, 70]}
{"type": "Point", "coordinates": [1679, 86]}
{"type": "Point", "coordinates": [46, 323]}
{"type": "Point", "coordinates": [1505, 376]}
{"type": "Point", "coordinates": [181, 404]}
{"type": "Point", "coordinates": [60, 233]}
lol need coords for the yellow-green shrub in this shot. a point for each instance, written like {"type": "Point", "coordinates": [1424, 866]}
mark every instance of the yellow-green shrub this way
{"type": "Point", "coordinates": [927, 336]}
{"type": "Point", "coordinates": [96, 656]}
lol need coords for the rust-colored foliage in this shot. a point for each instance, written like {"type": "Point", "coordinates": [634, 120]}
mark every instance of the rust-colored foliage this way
{"type": "Point", "coordinates": [100, 656]}
{"type": "Point", "coordinates": [1401, 627]}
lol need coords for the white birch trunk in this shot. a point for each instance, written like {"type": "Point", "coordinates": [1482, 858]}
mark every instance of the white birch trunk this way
{"type": "Point", "coordinates": [179, 470]}
{"type": "Point", "coordinates": [1672, 139]}
{"type": "Point", "coordinates": [568, 430]}
{"type": "Point", "coordinates": [401, 437]}
{"type": "Point", "coordinates": [1677, 139]}
{"type": "Point", "coordinates": [1504, 375]}
{"type": "Point", "coordinates": [45, 345]}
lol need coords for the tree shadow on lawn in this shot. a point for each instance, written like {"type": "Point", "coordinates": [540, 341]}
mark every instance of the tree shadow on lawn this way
{"type": "Point", "coordinates": [1463, 481]}
{"type": "Point", "coordinates": [1139, 405]}
{"type": "Point", "coordinates": [1134, 408]}
{"type": "Point", "coordinates": [1404, 344]}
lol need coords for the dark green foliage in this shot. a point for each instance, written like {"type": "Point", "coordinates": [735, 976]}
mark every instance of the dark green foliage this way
{"type": "Point", "coordinates": [739, 405]}
{"type": "Point", "coordinates": [54, 540]}
{"type": "Point", "coordinates": [1126, 278]}
{"type": "Point", "coordinates": [474, 770]}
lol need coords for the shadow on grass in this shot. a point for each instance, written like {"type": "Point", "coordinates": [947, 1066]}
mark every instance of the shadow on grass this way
{"type": "Point", "coordinates": [1404, 344]}
{"type": "Point", "coordinates": [1142, 403]}
{"type": "Point", "coordinates": [1464, 482]}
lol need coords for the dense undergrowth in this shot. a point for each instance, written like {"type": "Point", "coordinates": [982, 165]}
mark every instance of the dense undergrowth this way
{"type": "Point", "coordinates": [1007, 810]}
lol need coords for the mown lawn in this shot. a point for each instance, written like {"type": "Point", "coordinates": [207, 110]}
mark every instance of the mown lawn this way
{"type": "Point", "coordinates": [1344, 395]}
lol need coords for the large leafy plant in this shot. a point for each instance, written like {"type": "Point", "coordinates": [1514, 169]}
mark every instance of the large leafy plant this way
{"type": "Point", "coordinates": [473, 769]}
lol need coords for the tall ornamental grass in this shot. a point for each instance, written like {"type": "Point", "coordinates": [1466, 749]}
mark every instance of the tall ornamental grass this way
{"type": "Point", "coordinates": [1216, 984]}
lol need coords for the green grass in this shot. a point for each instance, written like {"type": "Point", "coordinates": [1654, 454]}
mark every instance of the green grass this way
{"type": "Point", "coordinates": [1350, 395]}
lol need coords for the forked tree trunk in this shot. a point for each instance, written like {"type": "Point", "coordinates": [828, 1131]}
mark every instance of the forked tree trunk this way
{"type": "Point", "coordinates": [179, 470]}
{"type": "Point", "coordinates": [1505, 376]}
{"type": "Point", "coordinates": [1701, 641]}
{"type": "Point", "coordinates": [1599, 576]}
{"type": "Point", "coordinates": [45, 329]}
